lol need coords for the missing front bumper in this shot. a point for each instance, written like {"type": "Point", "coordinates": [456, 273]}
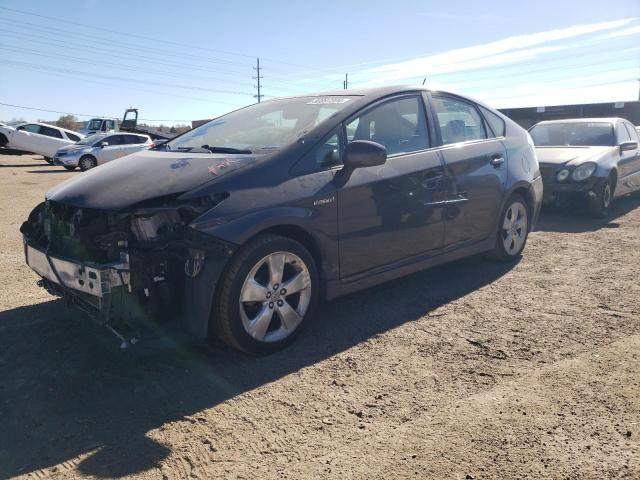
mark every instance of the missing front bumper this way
{"type": "Point", "coordinates": [90, 278]}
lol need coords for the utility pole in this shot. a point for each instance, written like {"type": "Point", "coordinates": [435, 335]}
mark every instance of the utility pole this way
{"type": "Point", "coordinates": [258, 77]}
{"type": "Point", "coordinates": [345, 83]}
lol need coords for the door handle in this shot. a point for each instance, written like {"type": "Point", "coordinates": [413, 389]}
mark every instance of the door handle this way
{"type": "Point", "coordinates": [496, 160]}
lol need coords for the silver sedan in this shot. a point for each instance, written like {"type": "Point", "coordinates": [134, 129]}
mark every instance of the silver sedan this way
{"type": "Point", "coordinates": [100, 148]}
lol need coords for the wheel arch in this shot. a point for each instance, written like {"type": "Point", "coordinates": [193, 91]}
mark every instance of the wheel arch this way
{"type": "Point", "coordinates": [300, 235]}
{"type": "Point", "coordinates": [614, 173]}
{"type": "Point", "coordinates": [525, 190]}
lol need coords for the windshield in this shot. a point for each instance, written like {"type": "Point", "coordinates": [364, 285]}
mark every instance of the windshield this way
{"type": "Point", "coordinates": [91, 139]}
{"type": "Point", "coordinates": [261, 127]}
{"type": "Point", "coordinates": [94, 124]}
{"type": "Point", "coordinates": [577, 134]}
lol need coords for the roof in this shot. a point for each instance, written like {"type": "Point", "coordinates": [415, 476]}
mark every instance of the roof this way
{"type": "Point", "coordinates": [585, 120]}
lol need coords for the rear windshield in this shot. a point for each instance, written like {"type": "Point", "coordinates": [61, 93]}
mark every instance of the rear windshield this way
{"type": "Point", "coordinates": [262, 127]}
{"type": "Point", "coordinates": [579, 134]}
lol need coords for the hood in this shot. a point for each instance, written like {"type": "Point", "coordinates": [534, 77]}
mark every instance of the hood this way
{"type": "Point", "coordinates": [563, 155]}
{"type": "Point", "coordinates": [73, 147]}
{"type": "Point", "coordinates": [143, 176]}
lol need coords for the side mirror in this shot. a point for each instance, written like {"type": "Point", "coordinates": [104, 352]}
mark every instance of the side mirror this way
{"type": "Point", "coordinates": [630, 145]}
{"type": "Point", "coordinates": [364, 153]}
{"type": "Point", "coordinates": [104, 144]}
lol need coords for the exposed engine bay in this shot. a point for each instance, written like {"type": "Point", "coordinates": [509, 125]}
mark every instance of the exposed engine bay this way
{"type": "Point", "coordinates": [128, 266]}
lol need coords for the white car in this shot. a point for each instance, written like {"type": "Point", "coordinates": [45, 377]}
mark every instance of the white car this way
{"type": "Point", "coordinates": [100, 148]}
{"type": "Point", "coordinates": [38, 138]}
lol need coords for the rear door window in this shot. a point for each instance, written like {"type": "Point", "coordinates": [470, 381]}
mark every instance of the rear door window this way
{"type": "Point", "coordinates": [113, 140]}
{"type": "Point", "coordinates": [134, 139]}
{"type": "Point", "coordinates": [459, 120]}
{"type": "Point", "coordinates": [50, 132]}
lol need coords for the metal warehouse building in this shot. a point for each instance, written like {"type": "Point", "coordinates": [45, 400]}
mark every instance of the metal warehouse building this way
{"type": "Point", "coordinates": [527, 117]}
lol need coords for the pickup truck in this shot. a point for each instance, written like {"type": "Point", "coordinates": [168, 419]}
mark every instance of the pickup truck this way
{"type": "Point", "coordinates": [129, 124]}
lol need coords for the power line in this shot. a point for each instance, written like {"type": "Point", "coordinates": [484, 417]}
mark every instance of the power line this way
{"type": "Point", "coordinates": [118, 44]}
{"type": "Point", "coordinates": [59, 56]}
{"type": "Point", "coordinates": [47, 40]}
{"type": "Point", "coordinates": [128, 80]}
{"type": "Point", "coordinates": [340, 68]}
{"type": "Point", "coordinates": [85, 114]}
{"type": "Point", "coordinates": [97, 82]}
{"type": "Point", "coordinates": [144, 37]}
{"type": "Point", "coordinates": [129, 34]}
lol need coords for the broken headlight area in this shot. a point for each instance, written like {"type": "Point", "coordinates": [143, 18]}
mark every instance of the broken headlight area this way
{"type": "Point", "coordinates": [127, 265]}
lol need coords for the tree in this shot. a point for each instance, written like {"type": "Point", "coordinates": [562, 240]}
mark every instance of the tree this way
{"type": "Point", "coordinates": [67, 121]}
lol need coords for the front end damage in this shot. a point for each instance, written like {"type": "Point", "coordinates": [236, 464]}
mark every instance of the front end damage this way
{"type": "Point", "coordinates": [131, 267]}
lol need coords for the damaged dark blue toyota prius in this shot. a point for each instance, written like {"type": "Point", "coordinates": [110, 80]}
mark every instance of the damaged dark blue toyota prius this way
{"type": "Point", "coordinates": [241, 226]}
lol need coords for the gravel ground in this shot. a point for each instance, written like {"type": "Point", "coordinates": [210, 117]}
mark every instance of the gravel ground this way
{"type": "Point", "coordinates": [470, 370]}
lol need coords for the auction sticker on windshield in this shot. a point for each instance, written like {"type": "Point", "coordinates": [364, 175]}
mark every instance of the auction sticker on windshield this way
{"type": "Point", "coordinates": [328, 100]}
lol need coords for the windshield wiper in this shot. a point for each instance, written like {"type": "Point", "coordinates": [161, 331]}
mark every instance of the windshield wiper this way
{"type": "Point", "coordinates": [225, 149]}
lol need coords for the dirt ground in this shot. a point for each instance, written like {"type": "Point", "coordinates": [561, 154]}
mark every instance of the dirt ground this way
{"type": "Point", "coordinates": [470, 370]}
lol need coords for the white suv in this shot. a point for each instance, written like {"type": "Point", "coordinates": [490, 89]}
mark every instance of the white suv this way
{"type": "Point", "coordinates": [100, 148]}
{"type": "Point", "coordinates": [37, 138]}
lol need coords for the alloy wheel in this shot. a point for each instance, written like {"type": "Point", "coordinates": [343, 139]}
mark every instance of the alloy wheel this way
{"type": "Point", "coordinates": [275, 296]}
{"type": "Point", "coordinates": [514, 228]}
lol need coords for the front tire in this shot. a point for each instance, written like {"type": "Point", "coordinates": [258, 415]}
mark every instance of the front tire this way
{"type": "Point", "coordinates": [599, 205]}
{"type": "Point", "coordinates": [87, 163]}
{"type": "Point", "coordinates": [265, 295]}
{"type": "Point", "coordinates": [513, 230]}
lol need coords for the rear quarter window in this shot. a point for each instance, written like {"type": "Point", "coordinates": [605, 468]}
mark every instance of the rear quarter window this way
{"type": "Point", "coordinates": [496, 123]}
{"type": "Point", "coordinates": [73, 137]}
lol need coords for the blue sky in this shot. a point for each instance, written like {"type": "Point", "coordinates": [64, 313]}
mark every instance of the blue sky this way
{"type": "Point", "coordinates": [178, 61]}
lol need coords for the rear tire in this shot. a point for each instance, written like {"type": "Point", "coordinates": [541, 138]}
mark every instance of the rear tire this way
{"type": "Point", "coordinates": [49, 160]}
{"type": "Point", "coordinates": [87, 163]}
{"type": "Point", "coordinates": [599, 205]}
{"type": "Point", "coordinates": [3, 140]}
{"type": "Point", "coordinates": [513, 230]}
{"type": "Point", "coordinates": [267, 292]}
